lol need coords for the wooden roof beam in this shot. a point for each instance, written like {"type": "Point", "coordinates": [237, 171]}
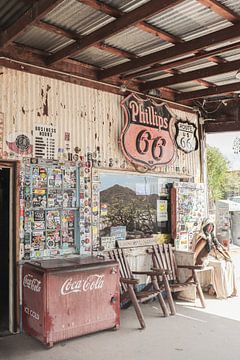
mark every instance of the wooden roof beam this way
{"type": "Point", "coordinates": [190, 59]}
{"type": "Point", "coordinates": [193, 75]}
{"type": "Point", "coordinates": [222, 126]}
{"type": "Point", "coordinates": [116, 26]}
{"type": "Point", "coordinates": [218, 90]}
{"type": "Point", "coordinates": [104, 8]}
{"type": "Point", "coordinates": [142, 25]}
{"type": "Point", "coordinates": [72, 35]}
{"type": "Point", "coordinates": [174, 51]}
{"type": "Point", "coordinates": [118, 52]}
{"type": "Point", "coordinates": [221, 10]}
{"type": "Point", "coordinates": [37, 11]}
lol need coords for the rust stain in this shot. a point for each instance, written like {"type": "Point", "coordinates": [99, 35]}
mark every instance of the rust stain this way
{"type": "Point", "coordinates": [45, 100]}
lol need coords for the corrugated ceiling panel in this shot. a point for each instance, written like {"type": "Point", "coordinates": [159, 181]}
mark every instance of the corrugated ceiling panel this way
{"type": "Point", "coordinates": [137, 41]}
{"type": "Point", "coordinates": [75, 16]}
{"type": "Point", "coordinates": [225, 43]}
{"type": "Point", "coordinates": [99, 58]}
{"type": "Point", "coordinates": [231, 55]}
{"type": "Point", "coordinates": [157, 75]}
{"type": "Point", "coordinates": [195, 65]}
{"type": "Point", "coordinates": [232, 4]}
{"type": "Point", "coordinates": [10, 10]}
{"type": "Point", "coordinates": [125, 5]}
{"type": "Point", "coordinates": [44, 40]}
{"type": "Point", "coordinates": [223, 79]}
{"type": "Point", "coordinates": [189, 20]}
{"type": "Point", "coordinates": [188, 86]}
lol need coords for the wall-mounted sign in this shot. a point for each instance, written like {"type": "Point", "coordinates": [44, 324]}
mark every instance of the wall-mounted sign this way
{"type": "Point", "coordinates": [45, 141]}
{"type": "Point", "coordinates": [186, 138]}
{"type": "Point", "coordinates": [162, 210]}
{"type": "Point", "coordinates": [146, 137]}
{"type": "Point", "coordinates": [19, 143]}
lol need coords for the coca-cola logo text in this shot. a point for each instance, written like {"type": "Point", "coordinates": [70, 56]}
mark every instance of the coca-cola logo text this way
{"type": "Point", "coordinates": [92, 282]}
{"type": "Point", "coordinates": [32, 283]}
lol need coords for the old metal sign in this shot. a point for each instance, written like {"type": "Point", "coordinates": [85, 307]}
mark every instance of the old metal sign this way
{"type": "Point", "coordinates": [186, 138]}
{"type": "Point", "coordinates": [146, 138]}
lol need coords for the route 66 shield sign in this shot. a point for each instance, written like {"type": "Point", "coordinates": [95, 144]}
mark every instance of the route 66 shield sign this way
{"type": "Point", "coordinates": [146, 138]}
{"type": "Point", "coordinates": [186, 138]}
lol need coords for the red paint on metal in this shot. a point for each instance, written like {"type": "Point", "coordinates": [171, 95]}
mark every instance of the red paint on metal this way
{"type": "Point", "coordinates": [70, 301]}
{"type": "Point", "coordinates": [146, 138]}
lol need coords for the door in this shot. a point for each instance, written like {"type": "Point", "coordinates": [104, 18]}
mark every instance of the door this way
{"type": "Point", "coordinates": [8, 250]}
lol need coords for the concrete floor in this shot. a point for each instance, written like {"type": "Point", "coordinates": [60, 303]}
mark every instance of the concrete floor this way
{"type": "Point", "coordinates": [193, 334]}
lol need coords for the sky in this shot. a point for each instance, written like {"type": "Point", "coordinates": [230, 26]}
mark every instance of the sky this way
{"type": "Point", "coordinates": [225, 143]}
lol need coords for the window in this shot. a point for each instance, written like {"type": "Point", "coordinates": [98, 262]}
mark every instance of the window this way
{"type": "Point", "coordinates": [134, 206]}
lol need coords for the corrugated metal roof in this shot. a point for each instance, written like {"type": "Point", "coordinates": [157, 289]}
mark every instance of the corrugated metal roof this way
{"type": "Point", "coordinates": [195, 65]}
{"type": "Point", "coordinates": [10, 10]}
{"type": "Point", "coordinates": [189, 20]}
{"type": "Point", "coordinates": [125, 5]}
{"type": "Point", "coordinates": [188, 86]}
{"type": "Point", "coordinates": [157, 75]}
{"type": "Point", "coordinates": [75, 16]}
{"type": "Point", "coordinates": [223, 79]}
{"type": "Point", "coordinates": [224, 43]}
{"type": "Point", "coordinates": [231, 4]}
{"type": "Point", "coordinates": [44, 40]}
{"type": "Point", "coordinates": [98, 57]}
{"type": "Point", "coordinates": [137, 41]}
{"type": "Point", "coordinates": [231, 55]}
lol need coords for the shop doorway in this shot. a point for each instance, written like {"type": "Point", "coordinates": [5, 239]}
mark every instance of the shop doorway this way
{"type": "Point", "coordinates": [8, 249]}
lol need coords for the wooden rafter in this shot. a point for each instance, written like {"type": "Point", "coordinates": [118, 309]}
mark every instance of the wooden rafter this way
{"type": "Point", "coordinates": [32, 60]}
{"type": "Point", "coordinates": [218, 90]}
{"type": "Point", "coordinates": [74, 36]}
{"type": "Point", "coordinates": [221, 10]}
{"type": "Point", "coordinates": [102, 46]}
{"type": "Point", "coordinates": [116, 26]}
{"type": "Point", "coordinates": [38, 10]}
{"type": "Point", "coordinates": [222, 126]}
{"type": "Point", "coordinates": [178, 72]}
{"type": "Point", "coordinates": [175, 51]}
{"type": "Point", "coordinates": [193, 75]}
{"type": "Point", "coordinates": [142, 25]}
{"type": "Point", "coordinates": [104, 8]}
{"type": "Point", "coordinates": [188, 60]}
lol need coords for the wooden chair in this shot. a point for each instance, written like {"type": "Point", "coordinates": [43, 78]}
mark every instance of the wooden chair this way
{"type": "Point", "coordinates": [163, 258]}
{"type": "Point", "coordinates": [128, 283]}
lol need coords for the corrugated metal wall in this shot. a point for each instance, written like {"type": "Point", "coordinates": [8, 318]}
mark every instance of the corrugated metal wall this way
{"type": "Point", "coordinates": [94, 119]}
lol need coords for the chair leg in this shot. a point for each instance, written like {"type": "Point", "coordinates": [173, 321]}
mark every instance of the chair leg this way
{"type": "Point", "coordinates": [199, 290]}
{"type": "Point", "coordinates": [137, 308]}
{"type": "Point", "coordinates": [160, 298]}
{"type": "Point", "coordinates": [169, 295]}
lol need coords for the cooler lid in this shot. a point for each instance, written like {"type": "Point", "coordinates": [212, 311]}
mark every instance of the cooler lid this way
{"type": "Point", "coordinates": [70, 263]}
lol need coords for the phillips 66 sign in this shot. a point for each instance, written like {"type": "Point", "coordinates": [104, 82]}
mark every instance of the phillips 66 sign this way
{"type": "Point", "coordinates": [146, 139]}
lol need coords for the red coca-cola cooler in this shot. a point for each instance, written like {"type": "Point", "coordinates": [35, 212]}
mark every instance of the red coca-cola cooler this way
{"type": "Point", "coordinates": [64, 298]}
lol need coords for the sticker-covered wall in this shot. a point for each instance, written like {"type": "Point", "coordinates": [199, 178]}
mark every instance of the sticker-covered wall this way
{"type": "Point", "coordinates": [47, 118]}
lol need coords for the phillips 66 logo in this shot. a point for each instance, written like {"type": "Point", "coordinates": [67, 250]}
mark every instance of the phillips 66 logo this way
{"type": "Point", "coordinates": [186, 138]}
{"type": "Point", "coordinates": [146, 138]}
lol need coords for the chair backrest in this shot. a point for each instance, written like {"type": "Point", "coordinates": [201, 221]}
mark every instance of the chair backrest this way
{"type": "Point", "coordinates": [164, 258]}
{"type": "Point", "coordinates": [124, 269]}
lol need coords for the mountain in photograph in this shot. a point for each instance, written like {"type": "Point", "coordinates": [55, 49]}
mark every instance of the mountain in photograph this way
{"type": "Point", "coordinates": [125, 194]}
